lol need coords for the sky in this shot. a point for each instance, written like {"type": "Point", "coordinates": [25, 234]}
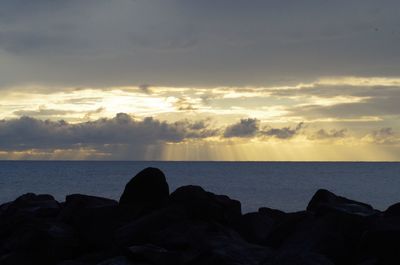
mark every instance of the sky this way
{"type": "Point", "coordinates": [200, 80]}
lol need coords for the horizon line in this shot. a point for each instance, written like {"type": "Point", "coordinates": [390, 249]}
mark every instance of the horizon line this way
{"type": "Point", "coordinates": [205, 161]}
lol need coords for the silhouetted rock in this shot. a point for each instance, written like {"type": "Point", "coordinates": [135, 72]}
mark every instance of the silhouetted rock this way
{"type": "Point", "coordinates": [42, 205]}
{"type": "Point", "coordinates": [147, 190]}
{"type": "Point", "coordinates": [332, 235]}
{"type": "Point", "coordinates": [381, 241]}
{"type": "Point", "coordinates": [14, 258]}
{"type": "Point", "coordinates": [153, 255]}
{"type": "Point", "coordinates": [144, 229]}
{"type": "Point", "coordinates": [254, 227]}
{"type": "Point", "coordinates": [94, 218]}
{"type": "Point", "coordinates": [230, 248]}
{"type": "Point", "coordinates": [305, 258]}
{"type": "Point", "coordinates": [194, 227]}
{"type": "Point", "coordinates": [201, 204]}
{"type": "Point", "coordinates": [275, 214]}
{"type": "Point", "coordinates": [120, 260]}
{"type": "Point", "coordinates": [43, 242]}
{"type": "Point", "coordinates": [77, 205]}
{"type": "Point", "coordinates": [287, 226]}
{"type": "Point", "coordinates": [393, 210]}
{"type": "Point", "coordinates": [324, 201]}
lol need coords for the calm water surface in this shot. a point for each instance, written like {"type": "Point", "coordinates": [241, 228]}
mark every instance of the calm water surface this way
{"type": "Point", "coordinates": [284, 185]}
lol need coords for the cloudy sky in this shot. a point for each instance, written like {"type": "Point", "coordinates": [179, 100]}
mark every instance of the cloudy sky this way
{"type": "Point", "coordinates": [200, 80]}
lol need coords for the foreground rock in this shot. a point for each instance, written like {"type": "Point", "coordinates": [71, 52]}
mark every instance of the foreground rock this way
{"type": "Point", "coordinates": [192, 226]}
{"type": "Point", "coordinates": [147, 190]}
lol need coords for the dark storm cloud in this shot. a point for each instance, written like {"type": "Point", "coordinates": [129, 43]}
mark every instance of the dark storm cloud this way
{"type": "Point", "coordinates": [283, 133]}
{"type": "Point", "coordinates": [28, 133]}
{"type": "Point", "coordinates": [203, 43]}
{"type": "Point", "coordinates": [244, 128]}
{"type": "Point", "coordinates": [251, 128]}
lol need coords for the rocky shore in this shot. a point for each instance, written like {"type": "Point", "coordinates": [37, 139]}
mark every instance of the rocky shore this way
{"type": "Point", "coordinates": [150, 225]}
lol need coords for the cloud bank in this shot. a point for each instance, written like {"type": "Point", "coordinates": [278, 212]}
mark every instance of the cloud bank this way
{"type": "Point", "coordinates": [124, 137]}
{"type": "Point", "coordinates": [28, 133]}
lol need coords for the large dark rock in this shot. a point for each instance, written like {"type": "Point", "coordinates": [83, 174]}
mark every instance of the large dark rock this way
{"type": "Point", "coordinates": [202, 242]}
{"type": "Point", "coordinates": [77, 205]}
{"type": "Point", "coordinates": [276, 215]}
{"type": "Point", "coordinates": [146, 228]}
{"type": "Point", "coordinates": [204, 205]}
{"type": "Point", "coordinates": [230, 248]}
{"type": "Point", "coordinates": [304, 258]}
{"type": "Point", "coordinates": [153, 255]}
{"type": "Point", "coordinates": [380, 241]}
{"type": "Point", "coordinates": [41, 243]}
{"type": "Point", "coordinates": [147, 190]}
{"type": "Point", "coordinates": [331, 227]}
{"type": "Point", "coordinates": [332, 235]}
{"type": "Point", "coordinates": [94, 258]}
{"type": "Point", "coordinates": [120, 260]}
{"type": "Point", "coordinates": [393, 210]}
{"type": "Point", "coordinates": [287, 226]}
{"type": "Point", "coordinates": [28, 210]}
{"type": "Point", "coordinates": [325, 201]}
{"type": "Point", "coordinates": [254, 227]}
{"type": "Point", "coordinates": [42, 205]}
{"type": "Point", "coordinates": [94, 219]}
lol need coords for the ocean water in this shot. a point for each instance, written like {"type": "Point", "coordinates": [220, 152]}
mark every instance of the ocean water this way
{"type": "Point", "coordinates": [284, 185]}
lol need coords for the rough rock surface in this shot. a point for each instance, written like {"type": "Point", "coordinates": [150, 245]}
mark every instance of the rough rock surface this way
{"type": "Point", "coordinates": [192, 226]}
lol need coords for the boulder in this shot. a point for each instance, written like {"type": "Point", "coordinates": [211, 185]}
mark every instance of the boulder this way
{"type": "Point", "coordinates": [204, 205]}
{"type": "Point", "coordinates": [146, 228]}
{"type": "Point", "coordinates": [275, 214]}
{"type": "Point", "coordinates": [330, 235]}
{"type": "Point", "coordinates": [224, 249]}
{"type": "Point", "coordinates": [325, 201]}
{"type": "Point", "coordinates": [120, 260]}
{"type": "Point", "coordinates": [15, 258]}
{"type": "Point", "coordinates": [77, 205]}
{"type": "Point", "coordinates": [392, 211]}
{"type": "Point", "coordinates": [72, 262]}
{"type": "Point", "coordinates": [42, 205]}
{"type": "Point", "coordinates": [333, 235]}
{"type": "Point", "coordinates": [152, 254]}
{"type": "Point", "coordinates": [43, 242]}
{"type": "Point", "coordinates": [305, 258]}
{"type": "Point", "coordinates": [94, 219]}
{"type": "Point", "coordinates": [91, 258]}
{"type": "Point", "coordinates": [380, 241]}
{"type": "Point", "coordinates": [147, 190]}
{"type": "Point", "coordinates": [254, 227]}
{"type": "Point", "coordinates": [27, 210]}
{"type": "Point", "coordinates": [287, 226]}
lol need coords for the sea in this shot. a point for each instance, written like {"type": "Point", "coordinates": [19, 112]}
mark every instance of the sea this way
{"type": "Point", "coordinates": [288, 186]}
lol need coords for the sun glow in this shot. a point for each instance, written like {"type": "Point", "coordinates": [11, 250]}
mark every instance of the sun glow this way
{"type": "Point", "coordinates": [195, 120]}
